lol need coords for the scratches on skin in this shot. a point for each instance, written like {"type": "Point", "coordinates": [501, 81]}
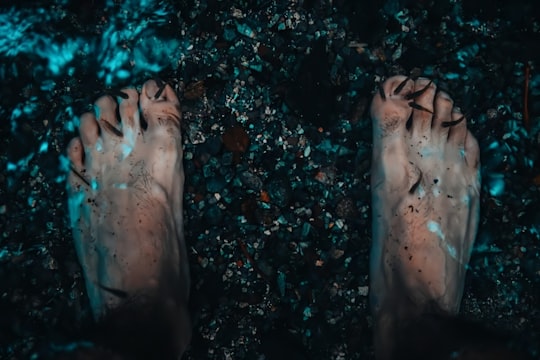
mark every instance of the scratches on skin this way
{"type": "Point", "coordinates": [142, 184]}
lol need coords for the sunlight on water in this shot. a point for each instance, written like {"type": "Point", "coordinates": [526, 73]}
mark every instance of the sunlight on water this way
{"type": "Point", "coordinates": [127, 44]}
{"type": "Point", "coordinates": [133, 40]}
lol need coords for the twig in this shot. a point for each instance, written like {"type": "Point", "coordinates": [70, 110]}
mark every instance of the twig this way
{"type": "Point", "coordinates": [251, 260]}
{"type": "Point", "coordinates": [526, 97]}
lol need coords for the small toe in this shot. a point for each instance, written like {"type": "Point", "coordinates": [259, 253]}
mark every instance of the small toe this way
{"type": "Point", "coordinates": [458, 130]}
{"type": "Point", "coordinates": [160, 105]}
{"type": "Point", "coordinates": [423, 105]}
{"type": "Point", "coordinates": [105, 108]}
{"type": "Point", "coordinates": [472, 151]}
{"type": "Point", "coordinates": [443, 113]}
{"type": "Point", "coordinates": [75, 152]}
{"type": "Point", "coordinates": [88, 129]}
{"type": "Point", "coordinates": [129, 114]}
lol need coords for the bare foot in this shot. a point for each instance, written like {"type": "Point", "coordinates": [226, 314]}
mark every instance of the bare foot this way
{"type": "Point", "coordinates": [125, 198]}
{"type": "Point", "coordinates": [425, 185]}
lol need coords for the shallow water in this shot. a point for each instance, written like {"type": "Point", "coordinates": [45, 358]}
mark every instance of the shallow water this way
{"type": "Point", "coordinates": [279, 227]}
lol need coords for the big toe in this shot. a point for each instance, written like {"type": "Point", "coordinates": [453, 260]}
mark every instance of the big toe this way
{"type": "Point", "coordinates": [160, 107]}
{"type": "Point", "coordinates": [390, 109]}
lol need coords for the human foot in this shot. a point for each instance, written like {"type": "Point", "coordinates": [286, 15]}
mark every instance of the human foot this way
{"type": "Point", "coordinates": [125, 196]}
{"type": "Point", "coordinates": [425, 187]}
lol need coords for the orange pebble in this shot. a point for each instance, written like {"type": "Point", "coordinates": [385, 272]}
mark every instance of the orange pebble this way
{"type": "Point", "coordinates": [265, 197]}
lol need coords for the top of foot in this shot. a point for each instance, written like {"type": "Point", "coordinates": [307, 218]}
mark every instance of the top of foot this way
{"type": "Point", "coordinates": [125, 195]}
{"type": "Point", "coordinates": [425, 191]}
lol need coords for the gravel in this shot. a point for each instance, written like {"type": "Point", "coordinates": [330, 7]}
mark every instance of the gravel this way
{"type": "Point", "coordinates": [275, 98]}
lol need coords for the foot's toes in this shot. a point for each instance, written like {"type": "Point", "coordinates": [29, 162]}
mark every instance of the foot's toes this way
{"type": "Point", "coordinates": [449, 129]}
{"type": "Point", "coordinates": [389, 109]}
{"type": "Point", "coordinates": [129, 114]}
{"type": "Point", "coordinates": [472, 151]}
{"type": "Point", "coordinates": [77, 182]}
{"type": "Point", "coordinates": [160, 106]}
{"type": "Point", "coordinates": [460, 141]}
{"type": "Point", "coordinates": [89, 130]}
{"type": "Point", "coordinates": [75, 153]}
{"type": "Point", "coordinates": [421, 100]}
{"type": "Point", "coordinates": [458, 130]}
{"type": "Point", "coordinates": [444, 106]}
{"type": "Point", "coordinates": [105, 108]}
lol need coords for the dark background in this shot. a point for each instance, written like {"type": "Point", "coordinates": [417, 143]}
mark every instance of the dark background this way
{"type": "Point", "coordinates": [279, 258]}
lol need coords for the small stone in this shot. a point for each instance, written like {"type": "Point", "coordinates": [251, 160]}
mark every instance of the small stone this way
{"type": "Point", "coordinates": [213, 215]}
{"type": "Point", "coordinates": [363, 290]}
{"type": "Point", "coordinates": [280, 192]}
{"type": "Point", "coordinates": [235, 139]}
{"type": "Point", "coordinates": [215, 184]}
{"type": "Point", "coordinates": [251, 181]}
{"type": "Point", "coordinates": [337, 253]}
{"type": "Point", "coordinates": [346, 208]}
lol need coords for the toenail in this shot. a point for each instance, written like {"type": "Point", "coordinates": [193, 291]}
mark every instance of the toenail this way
{"type": "Point", "coordinates": [444, 95]}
